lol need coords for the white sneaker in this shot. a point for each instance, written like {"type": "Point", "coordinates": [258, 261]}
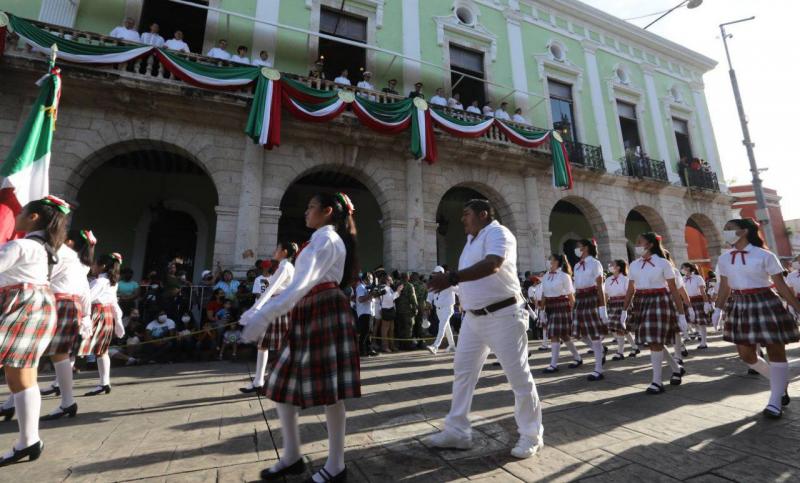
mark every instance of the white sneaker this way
{"type": "Point", "coordinates": [447, 439]}
{"type": "Point", "coordinates": [433, 350]}
{"type": "Point", "coordinates": [527, 447]}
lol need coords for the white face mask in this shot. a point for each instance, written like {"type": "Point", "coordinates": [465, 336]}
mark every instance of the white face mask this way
{"type": "Point", "coordinates": [730, 236]}
{"type": "Point", "coordinates": [639, 251]}
{"type": "Point", "coordinates": [611, 268]}
{"type": "Point", "coordinates": [162, 318]}
{"type": "Point", "coordinates": [185, 319]}
{"type": "Point", "coordinates": [578, 252]}
{"type": "Point", "coordinates": [796, 265]}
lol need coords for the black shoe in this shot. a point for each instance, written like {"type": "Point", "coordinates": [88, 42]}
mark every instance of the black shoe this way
{"type": "Point", "coordinates": [604, 360]}
{"type": "Point", "coordinates": [618, 357]}
{"type": "Point", "coordinates": [296, 468]}
{"type": "Point", "coordinates": [702, 346]}
{"type": "Point", "coordinates": [69, 411]}
{"type": "Point", "coordinates": [683, 371]}
{"type": "Point", "coordinates": [52, 390]}
{"type": "Point", "coordinates": [372, 353]}
{"type": "Point", "coordinates": [685, 352]}
{"type": "Point", "coordinates": [32, 452]}
{"type": "Point", "coordinates": [576, 363]}
{"type": "Point", "coordinates": [542, 349]}
{"type": "Point", "coordinates": [785, 399]}
{"type": "Point", "coordinates": [327, 477]}
{"type": "Point", "coordinates": [676, 379]}
{"type": "Point", "coordinates": [550, 370]}
{"type": "Point", "coordinates": [634, 353]}
{"type": "Point", "coordinates": [752, 372]}
{"type": "Point", "coordinates": [595, 376]}
{"type": "Point", "coordinates": [654, 388]}
{"type": "Point", "coordinates": [99, 390]}
{"type": "Point", "coordinates": [605, 350]}
{"type": "Point", "coordinates": [248, 390]}
{"type": "Point", "coordinates": [771, 412]}
{"type": "Point", "coordinates": [7, 414]}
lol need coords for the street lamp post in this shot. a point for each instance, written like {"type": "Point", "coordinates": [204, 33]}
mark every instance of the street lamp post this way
{"type": "Point", "coordinates": [762, 213]}
{"type": "Point", "coordinates": [691, 4]}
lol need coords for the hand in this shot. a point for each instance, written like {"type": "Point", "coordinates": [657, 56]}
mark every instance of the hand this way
{"type": "Point", "coordinates": [682, 324]}
{"type": "Point", "coordinates": [438, 282]}
{"type": "Point", "coordinates": [708, 308]}
{"type": "Point", "coordinates": [85, 327]}
{"type": "Point", "coordinates": [692, 314]}
{"type": "Point", "coordinates": [716, 318]}
{"type": "Point", "coordinates": [246, 317]}
{"type": "Point", "coordinates": [623, 317]}
{"type": "Point", "coordinates": [400, 288]}
{"type": "Point", "coordinates": [251, 332]}
{"type": "Point", "coordinates": [603, 312]}
{"type": "Point", "coordinates": [119, 331]}
{"type": "Point", "coordinates": [542, 317]}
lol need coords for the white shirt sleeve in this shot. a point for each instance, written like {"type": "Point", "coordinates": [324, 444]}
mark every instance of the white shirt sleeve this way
{"type": "Point", "coordinates": [772, 265]}
{"type": "Point", "coordinates": [497, 243]}
{"type": "Point", "coordinates": [667, 270]}
{"type": "Point", "coordinates": [278, 279]}
{"type": "Point", "coordinates": [568, 286]}
{"type": "Point", "coordinates": [9, 254]}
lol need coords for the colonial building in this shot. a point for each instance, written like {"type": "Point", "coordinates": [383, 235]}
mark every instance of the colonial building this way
{"type": "Point", "coordinates": [745, 205]}
{"type": "Point", "coordinates": [161, 168]}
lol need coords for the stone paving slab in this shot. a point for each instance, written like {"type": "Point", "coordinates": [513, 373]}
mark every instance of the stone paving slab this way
{"type": "Point", "coordinates": [189, 423]}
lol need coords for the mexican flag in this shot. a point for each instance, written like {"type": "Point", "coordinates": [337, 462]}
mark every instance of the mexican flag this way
{"type": "Point", "coordinates": [24, 171]}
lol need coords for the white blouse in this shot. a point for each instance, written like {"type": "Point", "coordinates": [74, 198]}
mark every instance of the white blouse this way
{"type": "Point", "coordinates": [587, 271]}
{"type": "Point", "coordinates": [651, 273]}
{"type": "Point", "coordinates": [102, 292]}
{"type": "Point", "coordinates": [557, 284]}
{"type": "Point", "coordinates": [387, 299]}
{"type": "Point", "coordinates": [749, 268]}
{"type": "Point", "coordinates": [678, 278]}
{"type": "Point", "coordinates": [69, 277]}
{"type": "Point", "coordinates": [23, 261]}
{"type": "Point", "coordinates": [694, 283]}
{"type": "Point", "coordinates": [793, 280]}
{"type": "Point", "coordinates": [616, 286]}
{"type": "Point", "coordinates": [278, 282]}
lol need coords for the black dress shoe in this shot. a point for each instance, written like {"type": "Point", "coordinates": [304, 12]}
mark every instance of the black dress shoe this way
{"type": "Point", "coordinates": [595, 376]}
{"type": "Point", "coordinates": [248, 390]}
{"type": "Point", "coordinates": [32, 452]}
{"type": "Point", "coordinates": [52, 390]}
{"type": "Point", "coordinates": [328, 478]}
{"type": "Point", "coordinates": [550, 370]}
{"type": "Point", "coordinates": [296, 468]}
{"type": "Point", "coordinates": [576, 363]}
{"type": "Point", "coordinates": [771, 412]}
{"type": "Point", "coordinates": [634, 353]}
{"type": "Point", "coordinates": [676, 379]}
{"type": "Point", "coordinates": [655, 388]}
{"type": "Point", "coordinates": [7, 414]}
{"type": "Point", "coordinates": [99, 390]}
{"type": "Point", "coordinates": [785, 399]}
{"type": "Point", "coordinates": [69, 411]}
{"type": "Point", "coordinates": [685, 352]}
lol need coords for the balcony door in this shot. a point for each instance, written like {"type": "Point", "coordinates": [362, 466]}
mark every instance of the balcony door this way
{"type": "Point", "coordinates": [562, 109]}
{"type": "Point", "coordinates": [628, 126]}
{"type": "Point", "coordinates": [174, 16]}
{"type": "Point", "coordinates": [339, 56]}
{"type": "Point", "coordinates": [681, 129]}
{"type": "Point", "coordinates": [470, 62]}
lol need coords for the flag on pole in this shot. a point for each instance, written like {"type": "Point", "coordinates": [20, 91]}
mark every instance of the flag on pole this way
{"type": "Point", "coordinates": [24, 172]}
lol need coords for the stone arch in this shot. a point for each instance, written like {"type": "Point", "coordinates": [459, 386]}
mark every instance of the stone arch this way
{"type": "Point", "coordinates": [598, 226]}
{"type": "Point", "coordinates": [710, 231]}
{"type": "Point", "coordinates": [592, 214]}
{"type": "Point", "coordinates": [655, 220]}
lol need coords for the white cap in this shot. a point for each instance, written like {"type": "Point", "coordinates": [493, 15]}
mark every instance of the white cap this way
{"type": "Point", "coordinates": [438, 269]}
{"type": "Point", "coordinates": [205, 273]}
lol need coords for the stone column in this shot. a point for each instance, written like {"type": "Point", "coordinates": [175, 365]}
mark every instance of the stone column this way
{"type": "Point", "coordinates": [265, 36]}
{"type": "Point", "coordinates": [394, 244]}
{"type": "Point", "coordinates": [247, 221]}
{"type": "Point", "coordinates": [518, 75]}
{"type": "Point", "coordinates": [598, 106]}
{"type": "Point", "coordinates": [268, 231]}
{"type": "Point", "coordinates": [431, 250]}
{"type": "Point", "coordinates": [411, 44]}
{"type": "Point", "coordinates": [536, 242]}
{"type": "Point", "coordinates": [415, 231]}
{"type": "Point", "coordinates": [225, 237]}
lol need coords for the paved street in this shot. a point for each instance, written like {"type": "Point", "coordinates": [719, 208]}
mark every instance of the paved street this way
{"type": "Point", "coordinates": [188, 422]}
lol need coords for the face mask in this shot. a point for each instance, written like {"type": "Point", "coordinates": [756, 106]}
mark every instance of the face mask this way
{"type": "Point", "coordinates": [185, 319]}
{"type": "Point", "coordinates": [730, 236]}
{"type": "Point", "coordinates": [162, 318]}
{"type": "Point", "coordinates": [796, 265]}
{"type": "Point", "coordinates": [639, 251]}
{"type": "Point", "coordinates": [611, 268]}
{"type": "Point", "coordinates": [578, 252]}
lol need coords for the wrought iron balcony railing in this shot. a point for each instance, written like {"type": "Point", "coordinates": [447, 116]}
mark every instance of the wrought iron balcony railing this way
{"type": "Point", "coordinates": [644, 168]}
{"type": "Point", "coordinates": [585, 156]}
{"type": "Point", "coordinates": [700, 178]}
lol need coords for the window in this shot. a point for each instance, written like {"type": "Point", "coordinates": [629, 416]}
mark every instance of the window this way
{"type": "Point", "coordinates": [173, 16]}
{"type": "Point", "coordinates": [561, 106]}
{"type": "Point", "coordinates": [339, 56]}
{"type": "Point", "coordinates": [622, 75]}
{"type": "Point", "coordinates": [470, 62]}
{"type": "Point", "coordinates": [465, 16]}
{"type": "Point", "coordinates": [629, 126]}
{"type": "Point", "coordinates": [556, 51]}
{"type": "Point", "coordinates": [681, 128]}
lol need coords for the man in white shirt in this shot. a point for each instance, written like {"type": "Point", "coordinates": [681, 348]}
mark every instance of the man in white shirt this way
{"type": "Point", "coordinates": [442, 303]}
{"type": "Point", "coordinates": [518, 117]}
{"type": "Point", "coordinates": [438, 98]}
{"type": "Point", "coordinates": [263, 59]}
{"type": "Point", "coordinates": [152, 37]}
{"type": "Point", "coordinates": [494, 320]}
{"type": "Point", "coordinates": [177, 43]}
{"type": "Point", "coordinates": [366, 296]}
{"type": "Point", "coordinates": [219, 51]}
{"type": "Point", "coordinates": [501, 112]}
{"type": "Point", "coordinates": [473, 108]}
{"type": "Point", "coordinates": [343, 78]}
{"type": "Point", "coordinates": [487, 109]}
{"type": "Point", "coordinates": [260, 283]}
{"type": "Point", "coordinates": [241, 55]}
{"type": "Point", "coordinates": [158, 329]}
{"type": "Point", "coordinates": [126, 31]}
{"type": "Point", "coordinates": [455, 102]}
{"type": "Point", "coordinates": [366, 83]}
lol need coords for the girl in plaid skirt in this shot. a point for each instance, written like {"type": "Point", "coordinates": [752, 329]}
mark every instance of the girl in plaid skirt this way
{"type": "Point", "coordinates": [616, 286]}
{"type": "Point", "coordinates": [590, 316]}
{"type": "Point", "coordinates": [696, 290]}
{"type": "Point", "coordinates": [679, 349]}
{"type": "Point", "coordinates": [106, 318]}
{"type": "Point", "coordinates": [28, 314]}
{"type": "Point", "coordinates": [651, 283]}
{"type": "Point", "coordinates": [793, 279]}
{"type": "Point", "coordinates": [273, 339]}
{"type": "Point", "coordinates": [319, 362]}
{"type": "Point", "coordinates": [752, 310]}
{"type": "Point", "coordinates": [555, 310]}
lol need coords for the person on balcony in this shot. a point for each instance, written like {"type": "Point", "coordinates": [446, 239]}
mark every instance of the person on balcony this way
{"type": "Point", "coordinates": [152, 37]}
{"type": "Point", "coordinates": [455, 102]}
{"type": "Point", "coordinates": [391, 87]}
{"type": "Point", "coordinates": [683, 171]}
{"type": "Point", "coordinates": [241, 55]}
{"type": "Point", "coordinates": [488, 111]}
{"type": "Point", "coordinates": [126, 31]}
{"type": "Point", "coordinates": [473, 108]}
{"type": "Point", "coordinates": [417, 92]}
{"type": "Point", "coordinates": [501, 112]}
{"type": "Point", "coordinates": [366, 83]}
{"type": "Point", "coordinates": [518, 117]}
{"type": "Point", "coordinates": [438, 98]}
{"type": "Point", "coordinates": [220, 52]}
{"type": "Point", "coordinates": [343, 78]}
{"type": "Point", "coordinates": [177, 43]}
{"type": "Point", "coordinates": [263, 59]}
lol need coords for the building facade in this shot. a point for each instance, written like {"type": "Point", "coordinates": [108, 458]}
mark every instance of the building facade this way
{"type": "Point", "coordinates": [161, 168]}
{"type": "Point", "coordinates": [745, 206]}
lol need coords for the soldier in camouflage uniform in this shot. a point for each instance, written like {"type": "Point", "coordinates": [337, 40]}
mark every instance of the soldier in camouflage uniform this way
{"type": "Point", "coordinates": [421, 290]}
{"type": "Point", "coordinates": [407, 308]}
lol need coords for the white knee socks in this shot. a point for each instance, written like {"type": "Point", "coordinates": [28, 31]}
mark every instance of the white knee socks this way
{"type": "Point", "coordinates": [261, 367]}
{"type": "Point", "coordinates": [9, 402]}
{"type": "Point", "coordinates": [597, 346]}
{"type": "Point", "coordinates": [621, 345]}
{"type": "Point", "coordinates": [104, 368]}
{"type": "Point", "coordinates": [29, 403]}
{"type": "Point", "coordinates": [778, 378]}
{"type": "Point", "coordinates": [555, 350]}
{"type": "Point", "coordinates": [673, 364]}
{"type": "Point", "coordinates": [575, 354]}
{"type": "Point", "coordinates": [703, 334]}
{"type": "Point", "coordinates": [335, 418]}
{"type": "Point", "coordinates": [761, 367]}
{"type": "Point", "coordinates": [656, 359]}
{"type": "Point", "coordinates": [64, 380]}
{"type": "Point", "coordinates": [631, 341]}
{"type": "Point", "coordinates": [290, 432]}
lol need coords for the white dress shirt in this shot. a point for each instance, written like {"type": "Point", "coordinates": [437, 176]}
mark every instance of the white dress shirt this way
{"type": "Point", "coordinates": [175, 44]}
{"type": "Point", "coordinates": [616, 286]}
{"type": "Point", "coordinates": [342, 80]}
{"type": "Point", "coordinates": [241, 60]}
{"type": "Point", "coordinates": [651, 273]}
{"type": "Point", "coordinates": [387, 300]}
{"type": "Point", "coordinates": [750, 268]}
{"type": "Point", "coordinates": [102, 292]}
{"type": "Point", "coordinates": [69, 277]}
{"type": "Point", "coordinates": [488, 112]}
{"type": "Point", "coordinates": [278, 282]}
{"type": "Point", "coordinates": [23, 261]}
{"type": "Point", "coordinates": [586, 272]}
{"type": "Point", "coordinates": [437, 100]}
{"type": "Point", "coordinates": [218, 53]}
{"type": "Point", "coordinates": [474, 110]}
{"type": "Point", "coordinates": [445, 299]}
{"type": "Point", "coordinates": [262, 63]}
{"type": "Point", "coordinates": [695, 285]}
{"type": "Point", "coordinates": [363, 308]}
{"type": "Point", "coordinates": [125, 34]}
{"type": "Point", "coordinates": [365, 85]}
{"type": "Point", "coordinates": [501, 114]}
{"type": "Point", "coordinates": [493, 239]}
{"type": "Point", "coordinates": [793, 280]}
{"type": "Point", "coordinates": [520, 119]}
{"type": "Point", "coordinates": [454, 104]}
{"type": "Point", "coordinates": [152, 39]}
{"type": "Point", "coordinates": [557, 284]}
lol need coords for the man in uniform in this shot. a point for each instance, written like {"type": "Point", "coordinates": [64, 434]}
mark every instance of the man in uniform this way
{"type": "Point", "coordinates": [422, 295]}
{"type": "Point", "coordinates": [406, 306]}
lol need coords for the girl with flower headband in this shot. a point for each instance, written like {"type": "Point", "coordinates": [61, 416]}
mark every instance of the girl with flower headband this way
{"type": "Point", "coordinates": [106, 318]}
{"type": "Point", "coordinates": [319, 362]}
{"type": "Point", "coordinates": [28, 314]}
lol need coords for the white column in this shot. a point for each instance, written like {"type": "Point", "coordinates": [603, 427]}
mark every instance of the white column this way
{"type": "Point", "coordinates": [212, 26]}
{"type": "Point", "coordinates": [268, 231]}
{"type": "Point", "coordinates": [247, 221]}
{"type": "Point", "coordinates": [59, 12]}
{"type": "Point", "coordinates": [415, 231]}
{"type": "Point", "coordinates": [518, 75]}
{"type": "Point", "coordinates": [411, 44]}
{"type": "Point", "coordinates": [536, 242]}
{"type": "Point", "coordinates": [265, 37]}
{"type": "Point", "coordinates": [599, 107]}
{"type": "Point", "coordinates": [709, 140]}
{"type": "Point", "coordinates": [658, 123]}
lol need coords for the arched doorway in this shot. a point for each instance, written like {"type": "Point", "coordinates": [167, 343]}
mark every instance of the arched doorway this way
{"type": "Point", "coordinates": [703, 243]}
{"type": "Point", "coordinates": [368, 216]}
{"type": "Point", "coordinates": [450, 236]}
{"type": "Point", "coordinates": [635, 225]}
{"type": "Point", "coordinates": [151, 203]}
{"type": "Point", "coordinates": [568, 224]}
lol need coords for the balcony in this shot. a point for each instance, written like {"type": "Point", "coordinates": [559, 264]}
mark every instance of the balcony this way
{"type": "Point", "coordinates": [700, 179]}
{"type": "Point", "coordinates": [585, 156]}
{"type": "Point", "coordinates": [644, 168]}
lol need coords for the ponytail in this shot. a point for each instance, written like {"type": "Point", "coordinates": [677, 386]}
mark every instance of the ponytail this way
{"type": "Point", "coordinates": [52, 214]}
{"type": "Point", "coordinates": [83, 242]}
{"type": "Point", "coordinates": [563, 263]}
{"type": "Point", "coordinates": [623, 266]}
{"type": "Point", "coordinates": [655, 240]}
{"type": "Point", "coordinates": [752, 226]}
{"type": "Point", "coordinates": [291, 249]}
{"type": "Point", "coordinates": [691, 267]}
{"type": "Point", "coordinates": [110, 264]}
{"type": "Point", "coordinates": [345, 226]}
{"type": "Point", "coordinates": [592, 246]}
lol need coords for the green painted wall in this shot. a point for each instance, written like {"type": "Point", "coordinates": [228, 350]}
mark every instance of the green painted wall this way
{"type": "Point", "coordinates": [100, 16]}
{"type": "Point", "coordinates": [236, 30]}
{"type": "Point", "coordinates": [22, 8]}
{"type": "Point", "coordinates": [292, 52]}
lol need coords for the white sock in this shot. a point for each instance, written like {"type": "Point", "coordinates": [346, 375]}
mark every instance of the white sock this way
{"type": "Point", "coordinates": [673, 364]}
{"type": "Point", "coordinates": [761, 367]}
{"type": "Point", "coordinates": [29, 404]}
{"type": "Point", "coordinates": [336, 419]}
{"type": "Point", "coordinates": [104, 368]}
{"type": "Point", "coordinates": [575, 354]}
{"type": "Point", "coordinates": [678, 343]}
{"type": "Point", "coordinates": [621, 345]}
{"type": "Point", "coordinates": [555, 350]}
{"type": "Point", "coordinates": [631, 341]}
{"type": "Point", "coordinates": [72, 361]}
{"type": "Point", "coordinates": [64, 380]}
{"type": "Point", "coordinates": [261, 367]}
{"type": "Point", "coordinates": [544, 337]}
{"type": "Point", "coordinates": [9, 402]}
{"type": "Point", "coordinates": [290, 432]}
{"type": "Point", "coordinates": [703, 334]}
{"type": "Point", "coordinates": [656, 359]}
{"type": "Point", "coordinates": [778, 378]}
{"type": "Point", "coordinates": [597, 345]}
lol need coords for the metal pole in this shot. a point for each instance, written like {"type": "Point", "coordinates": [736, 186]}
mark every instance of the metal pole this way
{"type": "Point", "coordinates": [762, 213]}
{"type": "Point", "coordinates": [665, 14]}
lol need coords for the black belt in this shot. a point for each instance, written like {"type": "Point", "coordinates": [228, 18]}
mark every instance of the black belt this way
{"type": "Point", "coordinates": [495, 306]}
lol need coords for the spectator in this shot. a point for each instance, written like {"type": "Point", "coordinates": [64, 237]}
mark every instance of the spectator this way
{"type": "Point", "coordinates": [215, 305]}
{"type": "Point", "coordinates": [126, 31]}
{"type": "Point", "coordinates": [388, 312]}
{"type": "Point", "coordinates": [152, 295]}
{"type": "Point", "coordinates": [261, 282]}
{"type": "Point", "coordinates": [683, 170]}
{"type": "Point", "coordinates": [228, 284]}
{"type": "Point", "coordinates": [501, 112]}
{"type": "Point", "coordinates": [184, 343]}
{"type": "Point", "coordinates": [231, 338]}
{"type": "Point", "coordinates": [391, 87]}
{"type": "Point", "coordinates": [487, 109]}
{"type": "Point", "coordinates": [366, 83]}
{"type": "Point", "coordinates": [417, 92]}
{"type": "Point", "coordinates": [518, 117]}
{"type": "Point", "coordinates": [220, 52]}
{"type": "Point", "coordinates": [206, 342]}
{"type": "Point", "coordinates": [204, 291]}
{"type": "Point", "coordinates": [127, 291]}
{"type": "Point", "coordinates": [473, 108]}
{"type": "Point", "coordinates": [241, 55]}
{"type": "Point", "coordinates": [131, 321]}
{"type": "Point", "coordinates": [318, 69]}
{"type": "Point", "coordinates": [263, 59]}
{"type": "Point", "coordinates": [174, 304]}
{"type": "Point", "coordinates": [177, 43]}
{"type": "Point", "coordinates": [407, 307]}
{"type": "Point", "coordinates": [455, 102]}
{"type": "Point", "coordinates": [172, 283]}
{"type": "Point", "coordinates": [224, 318]}
{"type": "Point", "coordinates": [158, 330]}
{"type": "Point", "coordinates": [244, 293]}
{"type": "Point", "coordinates": [343, 78]}
{"type": "Point", "coordinates": [365, 296]}
{"type": "Point", "coordinates": [152, 37]}
{"type": "Point", "coordinates": [438, 98]}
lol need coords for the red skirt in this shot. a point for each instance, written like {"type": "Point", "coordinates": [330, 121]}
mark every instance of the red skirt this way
{"type": "Point", "coordinates": [276, 334]}
{"type": "Point", "coordinates": [319, 363]}
{"type": "Point", "coordinates": [27, 324]}
{"type": "Point", "coordinates": [69, 312]}
{"type": "Point", "coordinates": [614, 308]}
{"type": "Point", "coordinates": [587, 321]}
{"type": "Point", "coordinates": [559, 318]}
{"type": "Point", "coordinates": [758, 318]}
{"type": "Point", "coordinates": [701, 317]}
{"type": "Point", "coordinates": [655, 317]}
{"type": "Point", "coordinates": [103, 323]}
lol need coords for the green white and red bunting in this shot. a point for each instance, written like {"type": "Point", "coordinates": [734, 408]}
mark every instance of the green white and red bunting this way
{"type": "Point", "coordinates": [264, 120]}
{"type": "Point", "coordinates": [461, 127]}
{"type": "Point", "coordinates": [391, 118]}
{"type": "Point", "coordinates": [325, 111]}
{"type": "Point", "coordinates": [204, 75]}
{"type": "Point", "coordinates": [423, 143]}
{"type": "Point", "coordinates": [562, 171]}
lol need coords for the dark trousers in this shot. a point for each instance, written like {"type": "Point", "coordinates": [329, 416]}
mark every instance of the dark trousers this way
{"type": "Point", "coordinates": [363, 327]}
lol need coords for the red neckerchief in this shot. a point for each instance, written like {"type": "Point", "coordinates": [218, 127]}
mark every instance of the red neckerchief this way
{"type": "Point", "coordinates": [645, 261]}
{"type": "Point", "coordinates": [736, 252]}
{"type": "Point", "coordinates": [615, 279]}
{"type": "Point", "coordinates": [551, 275]}
{"type": "Point", "coordinates": [582, 264]}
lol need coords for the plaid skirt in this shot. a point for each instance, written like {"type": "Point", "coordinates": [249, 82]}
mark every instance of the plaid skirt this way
{"type": "Point", "coordinates": [319, 362]}
{"type": "Point", "coordinates": [587, 321]}
{"type": "Point", "coordinates": [758, 318]}
{"type": "Point", "coordinates": [27, 324]}
{"type": "Point", "coordinates": [559, 318]}
{"type": "Point", "coordinates": [68, 316]}
{"type": "Point", "coordinates": [701, 317]}
{"type": "Point", "coordinates": [655, 317]}
{"type": "Point", "coordinates": [276, 334]}
{"type": "Point", "coordinates": [103, 323]}
{"type": "Point", "coordinates": [614, 308]}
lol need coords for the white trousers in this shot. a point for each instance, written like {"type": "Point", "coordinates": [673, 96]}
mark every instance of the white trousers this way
{"type": "Point", "coordinates": [503, 333]}
{"type": "Point", "coordinates": [444, 314]}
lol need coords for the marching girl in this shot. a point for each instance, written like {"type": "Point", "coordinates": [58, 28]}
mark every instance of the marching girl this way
{"type": "Point", "coordinates": [73, 303]}
{"type": "Point", "coordinates": [615, 288]}
{"type": "Point", "coordinates": [273, 339]}
{"type": "Point", "coordinates": [590, 316]}
{"type": "Point", "coordinates": [793, 279]}
{"type": "Point", "coordinates": [106, 318]}
{"type": "Point", "coordinates": [319, 362]}
{"type": "Point", "coordinates": [696, 290]}
{"type": "Point", "coordinates": [28, 313]}
{"type": "Point", "coordinates": [678, 346]}
{"type": "Point", "coordinates": [752, 311]}
{"type": "Point", "coordinates": [650, 284]}
{"type": "Point", "coordinates": [555, 313]}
